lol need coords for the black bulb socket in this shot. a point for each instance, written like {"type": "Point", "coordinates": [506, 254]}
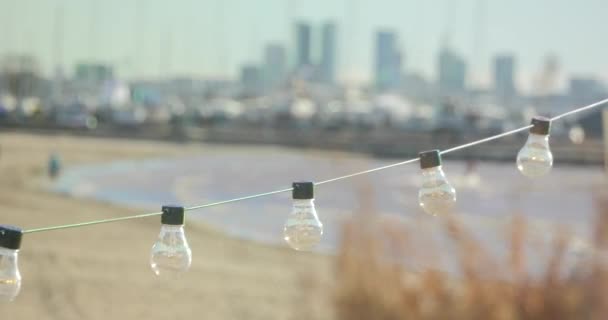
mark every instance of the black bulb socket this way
{"type": "Point", "coordinates": [10, 237]}
{"type": "Point", "coordinates": [303, 190]}
{"type": "Point", "coordinates": [172, 215]}
{"type": "Point", "coordinates": [540, 125]}
{"type": "Point", "coordinates": [429, 159]}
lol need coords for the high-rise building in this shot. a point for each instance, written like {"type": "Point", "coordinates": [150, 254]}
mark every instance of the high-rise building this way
{"type": "Point", "coordinates": [547, 81]}
{"type": "Point", "coordinates": [20, 75]}
{"type": "Point", "coordinates": [328, 52]}
{"type": "Point", "coordinates": [251, 79]}
{"type": "Point", "coordinates": [93, 73]}
{"type": "Point", "coordinates": [388, 60]}
{"type": "Point", "coordinates": [586, 90]}
{"type": "Point", "coordinates": [452, 73]}
{"type": "Point", "coordinates": [275, 62]}
{"type": "Point", "coordinates": [504, 83]}
{"type": "Point", "coordinates": [303, 48]}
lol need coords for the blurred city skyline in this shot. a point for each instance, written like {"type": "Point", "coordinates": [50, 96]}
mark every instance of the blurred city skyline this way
{"type": "Point", "coordinates": [216, 38]}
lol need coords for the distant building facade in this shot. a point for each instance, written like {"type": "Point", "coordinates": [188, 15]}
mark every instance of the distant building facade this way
{"type": "Point", "coordinates": [452, 73]}
{"type": "Point", "coordinates": [303, 45]}
{"type": "Point", "coordinates": [251, 79]}
{"type": "Point", "coordinates": [93, 73]}
{"type": "Point", "coordinates": [327, 66]}
{"type": "Point", "coordinates": [275, 66]}
{"type": "Point", "coordinates": [20, 75]}
{"type": "Point", "coordinates": [388, 60]}
{"type": "Point", "coordinates": [504, 77]}
{"type": "Point", "coordinates": [585, 90]}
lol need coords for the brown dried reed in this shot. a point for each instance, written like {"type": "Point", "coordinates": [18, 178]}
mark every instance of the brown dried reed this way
{"type": "Point", "coordinates": [372, 281]}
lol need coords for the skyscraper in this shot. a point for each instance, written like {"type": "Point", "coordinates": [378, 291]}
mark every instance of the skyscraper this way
{"type": "Point", "coordinates": [94, 73]}
{"type": "Point", "coordinates": [504, 84]}
{"type": "Point", "coordinates": [251, 79]}
{"type": "Point", "coordinates": [388, 60]}
{"type": "Point", "coordinates": [452, 73]}
{"type": "Point", "coordinates": [303, 49]}
{"type": "Point", "coordinates": [585, 90]}
{"type": "Point", "coordinates": [328, 53]}
{"type": "Point", "coordinates": [274, 66]}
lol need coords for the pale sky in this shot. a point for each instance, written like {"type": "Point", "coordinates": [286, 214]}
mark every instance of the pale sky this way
{"type": "Point", "coordinates": [215, 37]}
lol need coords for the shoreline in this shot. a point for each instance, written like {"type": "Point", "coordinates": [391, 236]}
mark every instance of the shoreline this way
{"type": "Point", "coordinates": [214, 176]}
{"type": "Point", "coordinates": [382, 144]}
{"type": "Point", "coordinates": [102, 271]}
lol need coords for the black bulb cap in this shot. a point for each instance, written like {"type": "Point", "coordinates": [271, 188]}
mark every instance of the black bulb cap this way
{"type": "Point", "coordinates": [303, 190]}
{"type": "Point", "coordinates": [429, 159]}
{"type": "Point", "coordinates": [10, 237]}
{"type": "Point", "coordinates": [172, 215]}
{"type": "Point", "coordinates": [540, 125]}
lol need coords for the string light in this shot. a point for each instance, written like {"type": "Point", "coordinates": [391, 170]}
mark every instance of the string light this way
{"type": "Point", "coordinates": [10, 277]}
{"type": "Point", "coordinates": [303, 229]}
{"type": "Point", "coordinates": [535, 158]}
{"type": "Point", "coordinates": [436, 195]}
{"type": "Point", "coordinates": [171, 253]}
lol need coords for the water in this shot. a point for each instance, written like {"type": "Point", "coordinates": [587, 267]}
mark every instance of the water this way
{"type": "Point", "coordinates": [487, 199]}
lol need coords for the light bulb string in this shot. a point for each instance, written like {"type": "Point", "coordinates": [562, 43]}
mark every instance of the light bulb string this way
{"type": "Point", "coordinates": [265, 194]}
{"type": "Point", "coordinates": [367, 171]}
{"type": "Point", "coordinates": [484, 140]}
{"type": "Point", "coordinates": [581, 109]}
{"type": "Point", "coordinates": [90, 223]}
{"type": "Point", "coordinates": [259, 195]}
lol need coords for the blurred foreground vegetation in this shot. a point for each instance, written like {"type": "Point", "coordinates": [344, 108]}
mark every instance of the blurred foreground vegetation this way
{"type": "Point", "coordinates": [373, 283]}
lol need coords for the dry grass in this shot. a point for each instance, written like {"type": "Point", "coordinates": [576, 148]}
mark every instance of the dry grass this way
{"type": "Point", "coordinates": [372, 282]}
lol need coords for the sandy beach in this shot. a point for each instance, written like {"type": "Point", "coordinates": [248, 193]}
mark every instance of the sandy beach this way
{"type": "Point", "coordinates": [101, 272]}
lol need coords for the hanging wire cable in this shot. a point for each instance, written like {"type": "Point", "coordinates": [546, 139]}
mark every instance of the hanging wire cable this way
{"type": "Point", "coordinates": [145, 215]}
{"type": "Point", "coordinates": [474, 143]}
{"type": "Point", "coordinates": [259, 195]}
{"type": "Point", "coordinates": [581, 109]}
{"type": "Point", "coordinates": [90, 223]}
{"type": "Point", "coordinates": [366, 171]}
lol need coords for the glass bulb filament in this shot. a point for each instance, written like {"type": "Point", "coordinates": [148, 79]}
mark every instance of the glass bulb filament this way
{"type": "Point", "coordinates": [10, 278]}
{"type": "Point", "coordinates": [436, 196]}
{"type": "Point", "coordinates": [535, 158]}
{"type": "Point", "coordinates": [171, 253]}
{"type": "Point", "coordinates": [303, 229]}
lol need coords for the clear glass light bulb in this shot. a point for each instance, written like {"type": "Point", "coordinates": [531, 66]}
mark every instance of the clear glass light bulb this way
{"type": "Point", "coordinates": [10, 278]}
{"type": "Point", "coordinates": [436, 196]}
{"type": "Point", "coordinates": [303, 229]}
{"type": "Point", "coordinates": [171, 254]}
{"type": "Point", "coordinates": [535, 158]}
